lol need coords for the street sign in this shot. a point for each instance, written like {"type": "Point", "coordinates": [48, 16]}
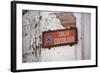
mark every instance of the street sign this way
{"type": "Point", "coordinates": [59, 37]}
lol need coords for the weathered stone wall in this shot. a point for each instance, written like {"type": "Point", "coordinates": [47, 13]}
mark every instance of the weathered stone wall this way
{"type": "Point", "coordinates": [33, 24]}
{"type": "Point", "coordinates": [30, 34]}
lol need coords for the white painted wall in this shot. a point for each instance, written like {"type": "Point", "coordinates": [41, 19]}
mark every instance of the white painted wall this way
{"type": "Point", "coordinates": [60, 53]}
{"type": "Point", "coordinates": [86, 38]}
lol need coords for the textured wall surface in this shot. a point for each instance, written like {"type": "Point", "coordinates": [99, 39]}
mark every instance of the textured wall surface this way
{"type": "Point", "coordinates": [35, 22]}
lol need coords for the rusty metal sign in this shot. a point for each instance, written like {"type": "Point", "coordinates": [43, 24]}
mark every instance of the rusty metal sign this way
{"type": "Point", "coordinates": [59, 37]}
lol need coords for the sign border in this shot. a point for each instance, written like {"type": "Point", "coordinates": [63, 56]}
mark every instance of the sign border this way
{"type": "Point", "coordinates": [76, 37]}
